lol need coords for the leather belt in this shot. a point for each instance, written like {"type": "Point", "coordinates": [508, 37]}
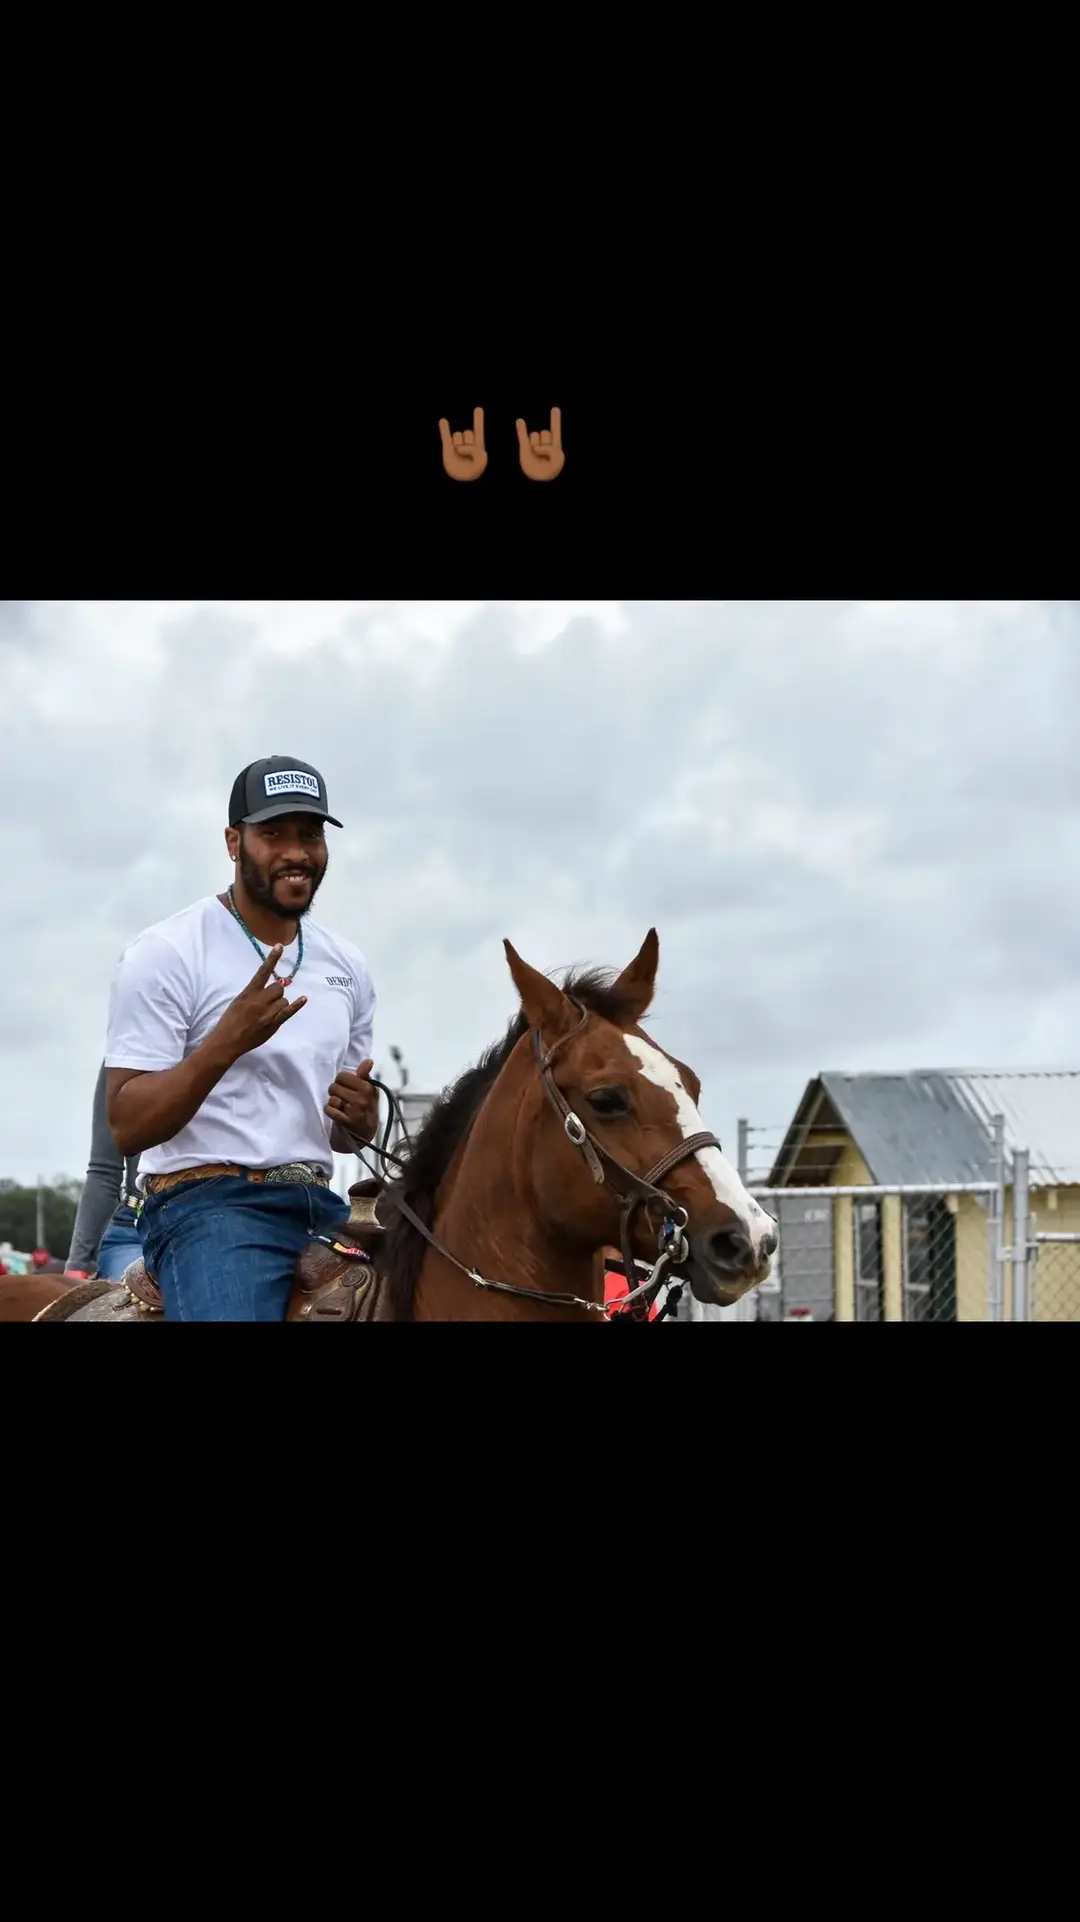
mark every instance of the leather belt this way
{"type": "Point", "coordinates": [288, 1171]}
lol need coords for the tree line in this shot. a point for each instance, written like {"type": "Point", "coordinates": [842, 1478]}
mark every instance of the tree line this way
{"type": "Point", "coordinates": [18, 1214]}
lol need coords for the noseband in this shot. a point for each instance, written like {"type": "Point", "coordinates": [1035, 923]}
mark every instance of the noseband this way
{"type": "Point", "coordinates": [637, 1191]}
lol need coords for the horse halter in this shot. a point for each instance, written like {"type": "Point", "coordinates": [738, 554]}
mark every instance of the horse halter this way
{"type": "Point", "coordinates": [640, 1191]}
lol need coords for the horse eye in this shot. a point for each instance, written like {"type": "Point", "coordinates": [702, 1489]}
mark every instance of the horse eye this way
{"type": "Point", "coordinates": [609, 1101]}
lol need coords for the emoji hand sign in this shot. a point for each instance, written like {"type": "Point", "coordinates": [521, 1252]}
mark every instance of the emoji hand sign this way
{"type": "Point", "coordinates": [463, 455]}
{"type": "Point", "coordinates": [541, 455]}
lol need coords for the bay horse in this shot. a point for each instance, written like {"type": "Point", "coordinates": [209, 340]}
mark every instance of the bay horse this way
{"type": "Point", "coordinates": [553, 1147]}
{"type": "Point", "coordinates": [23, 1296]}
{"type": "Point", "coordinates": [574, 1133]}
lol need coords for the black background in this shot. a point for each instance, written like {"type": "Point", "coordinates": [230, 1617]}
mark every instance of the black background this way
{"type": "Point", "coordinates": [308, 464]}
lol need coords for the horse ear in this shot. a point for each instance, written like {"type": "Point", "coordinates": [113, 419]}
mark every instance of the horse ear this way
{"type": "Point", "coordinates": [546, 1006]}
{"type": "Point", "coordinates": [636, 984]}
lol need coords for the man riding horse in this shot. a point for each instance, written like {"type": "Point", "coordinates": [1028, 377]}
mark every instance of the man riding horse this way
{"type": "Point", "coordinates": [234, 1097]}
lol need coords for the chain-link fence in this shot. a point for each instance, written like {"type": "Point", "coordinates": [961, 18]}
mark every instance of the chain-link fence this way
{"type": "Point", "coordinates": [980, 1251]}
{"type": "Point", "coordinates": [850, 1250]}
{"type": "Point", "coordinates": [1054, 1278]}
{"type": "Point", "coordinates": [878, 1254]}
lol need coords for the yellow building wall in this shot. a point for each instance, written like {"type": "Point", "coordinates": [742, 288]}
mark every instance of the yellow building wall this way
{"type": "Point", "coordinates": [850, 1171]}
{"type": "Point", "coordinates": [892, 1258]}
{"type": "Point", "coordinates": [844, 1258]}
{"type": "Point", "coordinates": [972, 1258]}
{"type": "Point", "coordinates": [1056, 1211]}
{"type": "Point", "coordinates": [1054, 1282]}
{"type": "Point", "coordinates": [1055, 1293]}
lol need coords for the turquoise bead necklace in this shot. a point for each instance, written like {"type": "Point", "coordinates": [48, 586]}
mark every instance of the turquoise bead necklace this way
{"type": "Point", "coordinates": [284, 979]}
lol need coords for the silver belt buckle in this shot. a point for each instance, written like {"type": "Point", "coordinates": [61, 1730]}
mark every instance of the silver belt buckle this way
{"type": "Point", "coordinates": [299, 1171]}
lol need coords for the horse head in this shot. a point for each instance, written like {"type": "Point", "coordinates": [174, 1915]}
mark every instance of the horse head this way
{"type": "Point", "coordinates": [609, 1143]}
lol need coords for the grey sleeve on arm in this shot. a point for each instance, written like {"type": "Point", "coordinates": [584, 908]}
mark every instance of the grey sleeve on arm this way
{"type": "Point", "coordinates": [101, 1190]}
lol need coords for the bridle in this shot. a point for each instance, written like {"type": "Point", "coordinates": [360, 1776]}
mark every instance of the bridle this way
{"type": "Point", "coordinates": [639, 1191]}
{"type": "Point", "coordinates": [672, 1248]}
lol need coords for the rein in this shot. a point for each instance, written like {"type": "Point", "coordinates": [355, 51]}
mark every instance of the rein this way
{"type": "Point", "coordinates": [393, 1113]}
{"type": "Point", "coordinates": [639, 1191]}
{"type": "Point", "coordinates": [502, 1287]}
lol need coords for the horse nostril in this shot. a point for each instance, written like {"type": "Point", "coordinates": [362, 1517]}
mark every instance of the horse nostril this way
{"type": "Point", "coordinates": [729, 1248]}
{"type": "Point", "coordinates": [770, 1245]}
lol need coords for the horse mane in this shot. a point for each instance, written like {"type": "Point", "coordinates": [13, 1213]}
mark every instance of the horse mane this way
{"type": "Point", "coordinates": [449, 1122]}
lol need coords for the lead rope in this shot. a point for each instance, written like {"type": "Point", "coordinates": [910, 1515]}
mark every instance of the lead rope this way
{"type": "Point", "coordinates": [481, 1281]}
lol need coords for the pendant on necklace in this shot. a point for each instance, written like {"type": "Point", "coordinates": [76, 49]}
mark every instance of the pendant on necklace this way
{"type": "Point", "coordinates": [283, 980]}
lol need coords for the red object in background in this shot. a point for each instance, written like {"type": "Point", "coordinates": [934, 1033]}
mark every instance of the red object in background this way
{"type": "Point", "coordinates": [3, 1270]}
{"type": "Point", "coordinates": [39, 1257]}
{"type": "Point", "coordinates": [616, 1285]}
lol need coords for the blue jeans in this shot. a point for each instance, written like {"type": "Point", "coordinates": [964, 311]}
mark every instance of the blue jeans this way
{"type": "Point", "coordinates": [120, 1244]}
{"type": "Point", "coordinates": [225, 1249]}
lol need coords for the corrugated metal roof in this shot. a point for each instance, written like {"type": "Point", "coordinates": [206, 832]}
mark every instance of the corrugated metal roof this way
{"type": "Point", "coordinates": [935, 1125]}
{"type": "Point", "coordinates": [911, 1127]}
{"type": "Point", "coordinates": [1042, 1113]}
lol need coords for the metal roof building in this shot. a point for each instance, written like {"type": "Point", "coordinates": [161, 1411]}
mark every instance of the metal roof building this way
{"type": "Point", "coordinates": [935, 1125]}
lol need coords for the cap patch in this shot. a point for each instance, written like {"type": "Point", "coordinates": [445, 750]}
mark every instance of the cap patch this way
{"type": "Point", "coordinates": [291, 781]}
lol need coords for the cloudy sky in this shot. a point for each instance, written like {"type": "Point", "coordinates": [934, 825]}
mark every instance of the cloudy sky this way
{"type": "Point", "coordinates": [854, 823]}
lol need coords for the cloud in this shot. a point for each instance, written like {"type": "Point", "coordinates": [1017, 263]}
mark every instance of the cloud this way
{"type": "Point", "coordinates": [854, 824]}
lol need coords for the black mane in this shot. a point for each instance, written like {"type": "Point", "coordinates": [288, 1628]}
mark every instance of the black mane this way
{"type": "Point", "coordinates": [447, 1124]}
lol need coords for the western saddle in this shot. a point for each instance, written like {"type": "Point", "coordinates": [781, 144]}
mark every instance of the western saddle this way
{"type": "Point", "coordinates": [334, 1280]}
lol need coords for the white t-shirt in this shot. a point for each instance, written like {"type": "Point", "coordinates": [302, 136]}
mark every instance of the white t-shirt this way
{"type": "Point", "coordinates": [171, 987]}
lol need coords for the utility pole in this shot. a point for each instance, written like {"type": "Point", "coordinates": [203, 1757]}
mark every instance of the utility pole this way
{"type": "Point", "coordinates": [40, 1242]}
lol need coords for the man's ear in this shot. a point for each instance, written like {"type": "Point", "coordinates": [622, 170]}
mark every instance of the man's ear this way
{"type": "Point", "coordinates": [546, 1006]}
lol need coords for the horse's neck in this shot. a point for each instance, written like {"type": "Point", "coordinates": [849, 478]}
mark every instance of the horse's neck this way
{"type": "Point", "coordinates": [484, 1217]}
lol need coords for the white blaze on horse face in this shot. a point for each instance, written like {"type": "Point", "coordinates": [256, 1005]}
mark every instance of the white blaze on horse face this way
{"type": "Point", "coordinates": [726, 1185]}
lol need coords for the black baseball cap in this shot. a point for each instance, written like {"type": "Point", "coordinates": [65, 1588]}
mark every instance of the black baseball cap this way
{"type": "Point", "coordinates": [279, 785]}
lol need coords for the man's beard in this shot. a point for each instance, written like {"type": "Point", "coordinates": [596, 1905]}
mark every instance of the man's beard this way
{"type": "Point", "coordinates": [262, 891]}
